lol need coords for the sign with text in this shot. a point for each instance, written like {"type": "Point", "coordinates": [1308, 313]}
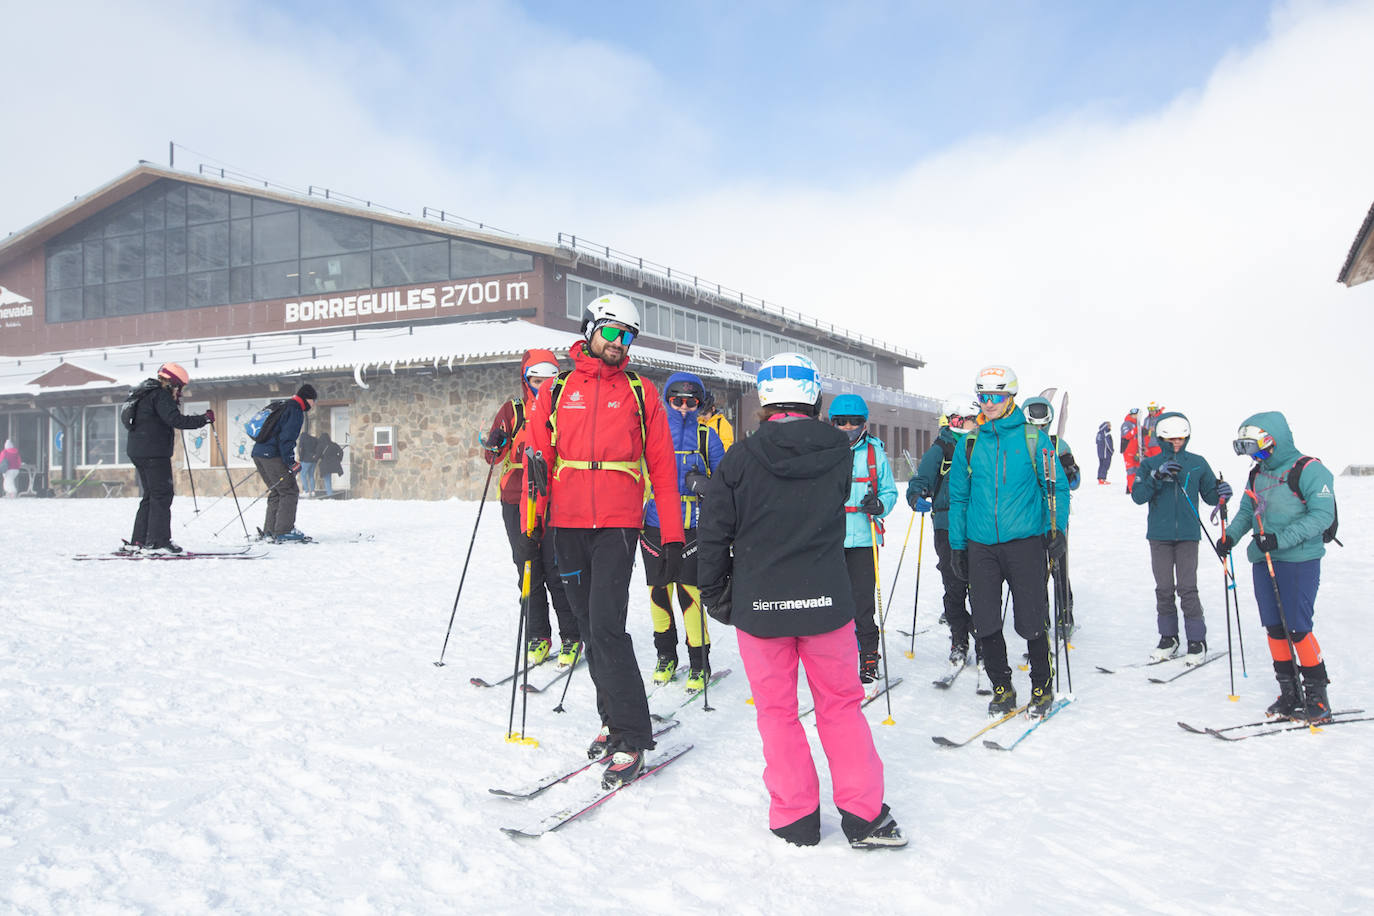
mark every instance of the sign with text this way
{"type": "Point", "coordinates": [414, 302]}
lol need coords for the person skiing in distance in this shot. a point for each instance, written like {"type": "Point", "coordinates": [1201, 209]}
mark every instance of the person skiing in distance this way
{"type": "Point", "coordinates": [1130, 445]}
{"type": "Point", "coordinates": [505, 444]}
{"type": "Point", "coordinates": [928, 491]}
{"type": "Point", "coordinates": [999, 531]}
{"type": "Point", "coordinates": [772, 564]}
{"type": "Point", "coordinates": [275, 459]}
{"type": "Point", "coordinates": [152, 440]}
{"type": "Point", "coordinates": [1105, 447]}
{"type": "Point", "coordinates": [1290, 528]}
{"type": "Point", "coordinates": [698, 450]}
{"type": "Point", "coordinates": [592, 432]}
{"type": "Point", "coordinates": [710, 415]}
{"type": "Point", "coordinates": [1040, 414]}
{"type": "Point", "coordinates": [1171, 484]}
{"type": "Point", "coordinates": [872, 496]}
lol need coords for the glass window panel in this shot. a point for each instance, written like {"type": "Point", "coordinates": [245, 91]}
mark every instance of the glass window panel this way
{"type": "Point", "coordinates": [175, 253]}
{"type": "Point", "coordinates": [384, 236]}
{"type": "Point", "coordinates": [473, 260]}
{"type": "Point", "coordinates": [204, 205]}
{"type": "Point", "coordinates": [572, 299]}
{"type": "Point", "coordinates": [64, 304]}
{"type": "Point", "coordinates": [416, 264]}
{"type": "Point", "coordinates": [240, 243]}
{"type": "Point", "coordinates": [64, 266]}
{"type": "Point", "coordinates": [713, 334]}
{"type": "Point", "coordinates": [176, 293]}
{"type": "Point", "coordinates": [702, 334]}
{"type": "Point", "coordinates": [93, 302]}
{"type": "Point", "coordinates": [679, 325]}
{"type": "Point", "coordinates": [176, 206]}
{"type": "Point", "coordinates": [126, 221]}
{"type": "Point", "coordinates": [124, 298]}
{"type": "Point", "coordinates": [207, 247]}
{"type": "Point", "coordinates": [340, 272]}
{"type": "Point", "coordinates": [240, 206]}
{"type": "Point", "coordinates": [153, 210]}
{"type": "Point", "coordinates": [262, 206]}
{"type": "Point", "coordinates": [124, 258]}
{"type": "Point", "coordinates": [649, 318]}
{"type": "Point", "coordinates": [154, 262]}
{"type": "Point", "coordinates": [241, 284]}
{"type": "Point", "coordinates": [209, 287]}
{"type": "Point", "coordinates": [276, 281]}
{"type": "Point", "coordinates": [329, 233]}
{"type": "Point", "coordinates": [94, 263]}
{"type": "Point", "coordinates": [154, 295]}
{"type": "Point", "coordinates": [99, 435]}
{"type": "Point", "coordinates": [275, 237]}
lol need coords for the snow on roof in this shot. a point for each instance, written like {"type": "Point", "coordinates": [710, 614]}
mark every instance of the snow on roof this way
{"type": "Point", "coordinates": [358, 350]}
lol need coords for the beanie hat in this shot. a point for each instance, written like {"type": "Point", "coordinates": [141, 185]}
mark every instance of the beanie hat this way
{"type": "Point", "coordinates": [307, 392]}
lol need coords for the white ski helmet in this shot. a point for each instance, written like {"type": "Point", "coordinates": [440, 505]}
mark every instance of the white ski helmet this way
{"type": "Point", "coordinates": [961, 405]}
{"type": "Point", "coordinates": [1039, 412]}
{"type": "Point", "coordinates": [998, 379]}
{"type": "Point", "coordinates": [613, 307]}
{"type": "Point", "coordinates": [1175, 427]}
{"type": "Point", "coordinates": [789, 378]}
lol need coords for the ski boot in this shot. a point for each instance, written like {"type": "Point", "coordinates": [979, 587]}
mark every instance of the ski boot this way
{"type": "Point", "coordinates": [130, 548]}
{"type": "Point", "coordinates": [597, 749]}
{"type": "Point", "coordinates": [1287, 703]}
{"type": "Point", "coordinates": [626, 765]}
{"type": "Point", "coordinates": [167, 548]}
{"type": "Point", "coordinates": [868, 667]}
{"type": "Point", "coordinates": [699, 667]}
{"type": "Point", "coordinates": [665, 670]}
{"type": "Point", "coordinates": [1314, 692]}
{"type": "Point", "coordinates": [1003, 700]}
{"type": "Point", "coordinates": [536, 651]}
{"type": "Point", "coordinates": [958, 655]}
{"type": "Point", "coordinates": [1197, 652]}
{"type": "Point", "coordinates": [569, 653]}
{"type": "Point", "coordinates": [1042, 697]}
{"type": "Point", "coordinates": [294, 536]}
{"type": "Point", "coordinates": [880, 833]}
{"type": "Point", "coordinates": [1167, 648]}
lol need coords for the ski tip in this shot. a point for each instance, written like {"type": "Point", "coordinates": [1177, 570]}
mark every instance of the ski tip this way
{"type": "Point", "coordinates": [478, 682]}
{"type": "Point", "coordinates": [993, 745]}
{"type": "Point", "coordinates": [438, 664]}
{"type": "Point", "coordinates": [1106, 670]}
{"type": "Point", "coordinates": [942, 741]}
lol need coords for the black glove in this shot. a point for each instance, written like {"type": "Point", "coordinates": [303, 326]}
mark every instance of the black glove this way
{"type": "Point", "coordinates": [872, 505]}
{"type": "Point", "coordinates": [1224, 491]}
{"type": "Point", "coordinates": [1267, 542]}
{"type": "Point", "coordinates": [497, 439]}
{"type": "Point", "coordinates": [719, 607]}
{"type": "Point", "coordinates": [1056, 546]}
{"type": "Point", "coordinates": [958, 561]}
{"type": "Point", "coordinates": [529, 546]}
{"type": "Point", "coordinates": [538, 470]}
{"type": "Point", "coordinates": [672, 561]}
{"type": "Point", "coordinates": [209, 416]}
{"type": "Point", "coordinates": [1166, 471]}
{"type": "Point", "coordinates": [695, 481]}
{"type": "Point", "coordinates": [1224, 546]}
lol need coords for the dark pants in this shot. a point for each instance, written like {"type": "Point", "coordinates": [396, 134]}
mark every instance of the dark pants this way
{"type": "Point", "coordinates": [595, 565]}
{"type": "Point", "coordinates": [956, 592]}
{"type": "Point", "coordinates": [1298, 584]}
{"type": "Point", "coordinates": [282, 495]}
{"type": "Point", "coordinates": [153, 523]}
{"type": "Point", "coordinates": [1174, 564]}
{"type": "Point", "coordinates": [543, 575]}
{"type": "Point", "coordinates": [859, 560]}
{"type": "Point", "coordinates": [1021, 565]}
{"type": "Point", "coordinates": [1104, 467]}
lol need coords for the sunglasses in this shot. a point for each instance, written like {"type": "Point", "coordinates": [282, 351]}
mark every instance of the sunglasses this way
{"type": "Point", "coordinates": [992, 397]}
{"type": "Point", "coordinates": [847, 421]}
{"type": "Point", "coordinates": [610, 334]}
{"type": "Point", "coordinates": [683, 400]}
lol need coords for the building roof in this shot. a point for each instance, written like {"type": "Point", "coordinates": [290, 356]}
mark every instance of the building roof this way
{"type": "Point", "coordinates": [1359, 263]}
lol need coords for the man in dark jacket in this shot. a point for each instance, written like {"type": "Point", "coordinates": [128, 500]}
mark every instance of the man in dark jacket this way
{"type": "Point", "coordinates": [151, 442]}
{"type": "Point", "coordinates": [1105, 448]}
{"type": "Point", "coordinates": [276, 461]}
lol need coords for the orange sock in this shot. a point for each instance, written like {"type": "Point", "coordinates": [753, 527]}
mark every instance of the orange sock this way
{"type": "Point", "coordinates": [1278, 650]}
{"type": "Point", "coordinates": [1309, 653]}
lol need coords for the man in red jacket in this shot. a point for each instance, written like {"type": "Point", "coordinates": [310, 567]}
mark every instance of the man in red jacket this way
{"type": "Point", "coordinates": [1130, 445]}
{"type": "Point", "coordinates": [591, 433]}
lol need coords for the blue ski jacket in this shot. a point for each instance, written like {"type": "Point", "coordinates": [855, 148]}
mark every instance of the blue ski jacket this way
{"type": "Point", "coordinates": [686, 447]}
{"type": "Point", "coordinates": [857, 530]}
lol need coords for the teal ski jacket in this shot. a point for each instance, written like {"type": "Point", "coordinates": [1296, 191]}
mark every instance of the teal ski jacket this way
{"type": "Point", "coordinates": [857, 531]}
{"type": "Point", "coordinates": [1298, 523]}
{"type": "Point", "coordinates": [1174, 506]}
{"type": "Point", "coordinates": [932, 476]}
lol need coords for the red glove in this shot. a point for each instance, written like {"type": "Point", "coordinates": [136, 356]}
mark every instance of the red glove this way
{"type": "Point", "coordinates": [296, 468]}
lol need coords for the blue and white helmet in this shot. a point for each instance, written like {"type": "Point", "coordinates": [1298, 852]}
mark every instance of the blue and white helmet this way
{"type": "Point", "coordinates": [789, 378]}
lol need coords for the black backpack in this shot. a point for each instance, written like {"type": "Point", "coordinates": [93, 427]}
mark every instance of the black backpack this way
{"type": "Point", "coordinates": [1294, 475]}
{"type": "Point", "coordinates": [129, 412]}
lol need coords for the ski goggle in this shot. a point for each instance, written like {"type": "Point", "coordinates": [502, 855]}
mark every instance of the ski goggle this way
{"type": "Point", "coordinates": [1038, 413]}
{"type": "Point", "coordinates": [1254, 442]}
{"type": "Point", "coordinates": [683, 400]}
{"type": "Point", "coordinates": [787, 370]}
{"type": "Point", "coordinates": [955, 419]}
{"type": "Point", "coordinates": [847, 421]}
{"type": "Point", "coordinates": [610, 333]}
{"type": "Point", "coordinates": [992, 397]}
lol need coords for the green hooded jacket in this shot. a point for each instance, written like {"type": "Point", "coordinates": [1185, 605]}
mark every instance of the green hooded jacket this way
{"type": "Point", "coordinates": [1298, 525]}
{"type": "Point", "coordinates": [1174, 506]}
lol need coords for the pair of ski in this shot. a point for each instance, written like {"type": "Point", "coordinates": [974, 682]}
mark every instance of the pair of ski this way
{"type": "Point", "coordinates": [545, 822]}
{"type": "Point", "coordinates": [241, 554]}
{"type": "Point", "coordinates": [666, 704]}
{"type": "Point", "coordinates": [1188, 669]}
{"type": "Point", "coordinates": [880, 689]}
{"type": "Point", "coordinates": [1059, 704]}
{"type": "Point", "coordinates": [1275, 725]}
{"type": "Point", "coordinates": [535, 685]}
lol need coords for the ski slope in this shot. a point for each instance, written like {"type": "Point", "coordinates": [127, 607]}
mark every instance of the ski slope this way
{"type": "Point", "coordinates": [272, 736]}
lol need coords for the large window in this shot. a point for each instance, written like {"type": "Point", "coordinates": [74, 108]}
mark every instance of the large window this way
{"type": "Point", "coordinates": [175, 246]}
{"type": "Point", "coordinates": [104, 440]}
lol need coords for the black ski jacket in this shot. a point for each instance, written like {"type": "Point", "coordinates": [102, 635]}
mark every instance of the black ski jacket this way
{"type": "Point", "coordinates": [156, 421]}
{"type": "Point", "coordinates": [778, 501]}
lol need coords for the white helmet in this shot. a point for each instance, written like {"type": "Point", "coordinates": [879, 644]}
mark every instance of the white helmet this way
{"type": "Point", "coordinates": [789, 378]}
{"type": "Point", "coordinates": [998, 379]}
{"type": "Point", "coordinates": [960, 405]}
{"type": "Point", "coordinates": [1175, 427]}
{"type": "Point", "coordinates": [1039, 412]}
{"type": "Point", "coordinates": [613, 307]}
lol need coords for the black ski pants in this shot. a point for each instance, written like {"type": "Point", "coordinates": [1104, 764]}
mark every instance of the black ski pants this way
{"type": "Point", "coordinates": [1021, 564]}
{"type": "Point", "coordinates": [859, 561]}
{"type": "Point", "coordinates": [595, 565]}
{"type": "Point", "coordinates": [153, 522]}
{"type": "Point", "coordinates": [543, 575]}
{"type": "Point", "coordinates": [956, 592]}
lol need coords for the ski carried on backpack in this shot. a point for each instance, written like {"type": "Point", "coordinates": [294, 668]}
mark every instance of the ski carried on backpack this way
{"type": "Point", "coordinates": [537, 786]}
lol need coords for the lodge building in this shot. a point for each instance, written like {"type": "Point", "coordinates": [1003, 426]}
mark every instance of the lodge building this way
{"type": "Point", "coordinates": [411, 330]}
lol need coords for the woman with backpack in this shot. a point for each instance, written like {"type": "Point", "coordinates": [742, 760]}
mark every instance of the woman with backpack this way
{"type": "Point", "coordinates": [9, 464]}
{"type": "Point", "coordinates": [330, 462]}
{"type": "Point", "coordinates": [154, 415]}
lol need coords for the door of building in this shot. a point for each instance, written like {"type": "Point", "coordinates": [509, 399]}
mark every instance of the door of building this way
{"type": "Point", "coordinates": [338, 431]}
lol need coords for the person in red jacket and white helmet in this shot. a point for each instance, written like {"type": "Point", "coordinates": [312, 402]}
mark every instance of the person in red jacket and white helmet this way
{"type": "Point", "coordinates": [591, 431]}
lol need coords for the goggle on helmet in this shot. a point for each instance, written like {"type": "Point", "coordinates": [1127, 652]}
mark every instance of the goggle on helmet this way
{"type": "Point", "coordinates": [1253, 442]}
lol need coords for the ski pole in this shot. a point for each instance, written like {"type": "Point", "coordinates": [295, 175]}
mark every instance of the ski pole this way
{"type": "Point", "coordinates": [568, 681]}
{"type": "Point", "coordinates": [892, 586]}
{"type": "Point", "coordinates": [1283, 618]}
{"type": "Point", "coordinates": [1229, 581]}
{"type": "Point", "coordinates": [521, 628]}
{"type": "Point", "coordinates": [195, 503]}
{"type": "Point", "coordinates": [206, 511]}
{"type": "Point", "coordinates": [916, 603]}
{"type": "Point", "coordinates": [463, 578]}
{"type": "Point", "coordinates": [877, 585]}
{"type": "Point", "coordinates": [224, 461]}
{"type": "Point", "coordinates": [255, 501]}
{"type": "Point", "coordinates": [1229, 567]}
{"type": "Point", "coordinates": [705, 648]}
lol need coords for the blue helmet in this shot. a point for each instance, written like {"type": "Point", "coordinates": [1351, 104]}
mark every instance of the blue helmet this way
{"type": "Point", "coordinates": [849, 405]}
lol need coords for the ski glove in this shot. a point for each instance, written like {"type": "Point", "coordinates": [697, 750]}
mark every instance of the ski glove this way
{"type": "Point", "coordinates": [672, 561]}
{"type": "Point", "coordinates": [296, 468]}
{"type": "Point", "coordinates": [1166, 471]}
{"type": "Point", "coordinates": [719, 606]}
{"type": "Point", "coordinates": [1056, 546]}
{"type": "Point", "coordinates": [1223, 491]}
{"type": "Point", "coordinates": [695, 481]}
{"type": "Point", "coordinates": [1267, 542]}
{"type": "Point", "coordinates": [538, 470]}
{"type": "Point", "coordinates": [209, 416]}
{"type": "Point", "coordinates": [1224, 545]}
{"type": "Point", "coordinates": [872, 505]}
{"type": "Point", "coordinates": [496, 440]}
{"type": "Point", "coordinates": [921, 504]}
{"type": "Point", "coordinates": [915, 494]}
{"type": "Point", "coordinates": [529, 546]}
{"type": "Point", "coordinates": [958, 561]}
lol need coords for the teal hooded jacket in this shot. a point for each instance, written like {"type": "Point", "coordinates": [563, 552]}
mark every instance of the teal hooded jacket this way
{"type": "Point", "coordinates": [932, 475]}
{"type": "Point", "coordinates": [1000, 494]}
{"type": "Point", "coordinates": [1298, 523]}
{"type": "Point", "coordinates": [1174, 506]}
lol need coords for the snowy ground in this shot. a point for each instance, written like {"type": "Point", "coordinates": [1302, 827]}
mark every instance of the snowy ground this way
{"type": "Point", "coordinates": [272, 736]}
